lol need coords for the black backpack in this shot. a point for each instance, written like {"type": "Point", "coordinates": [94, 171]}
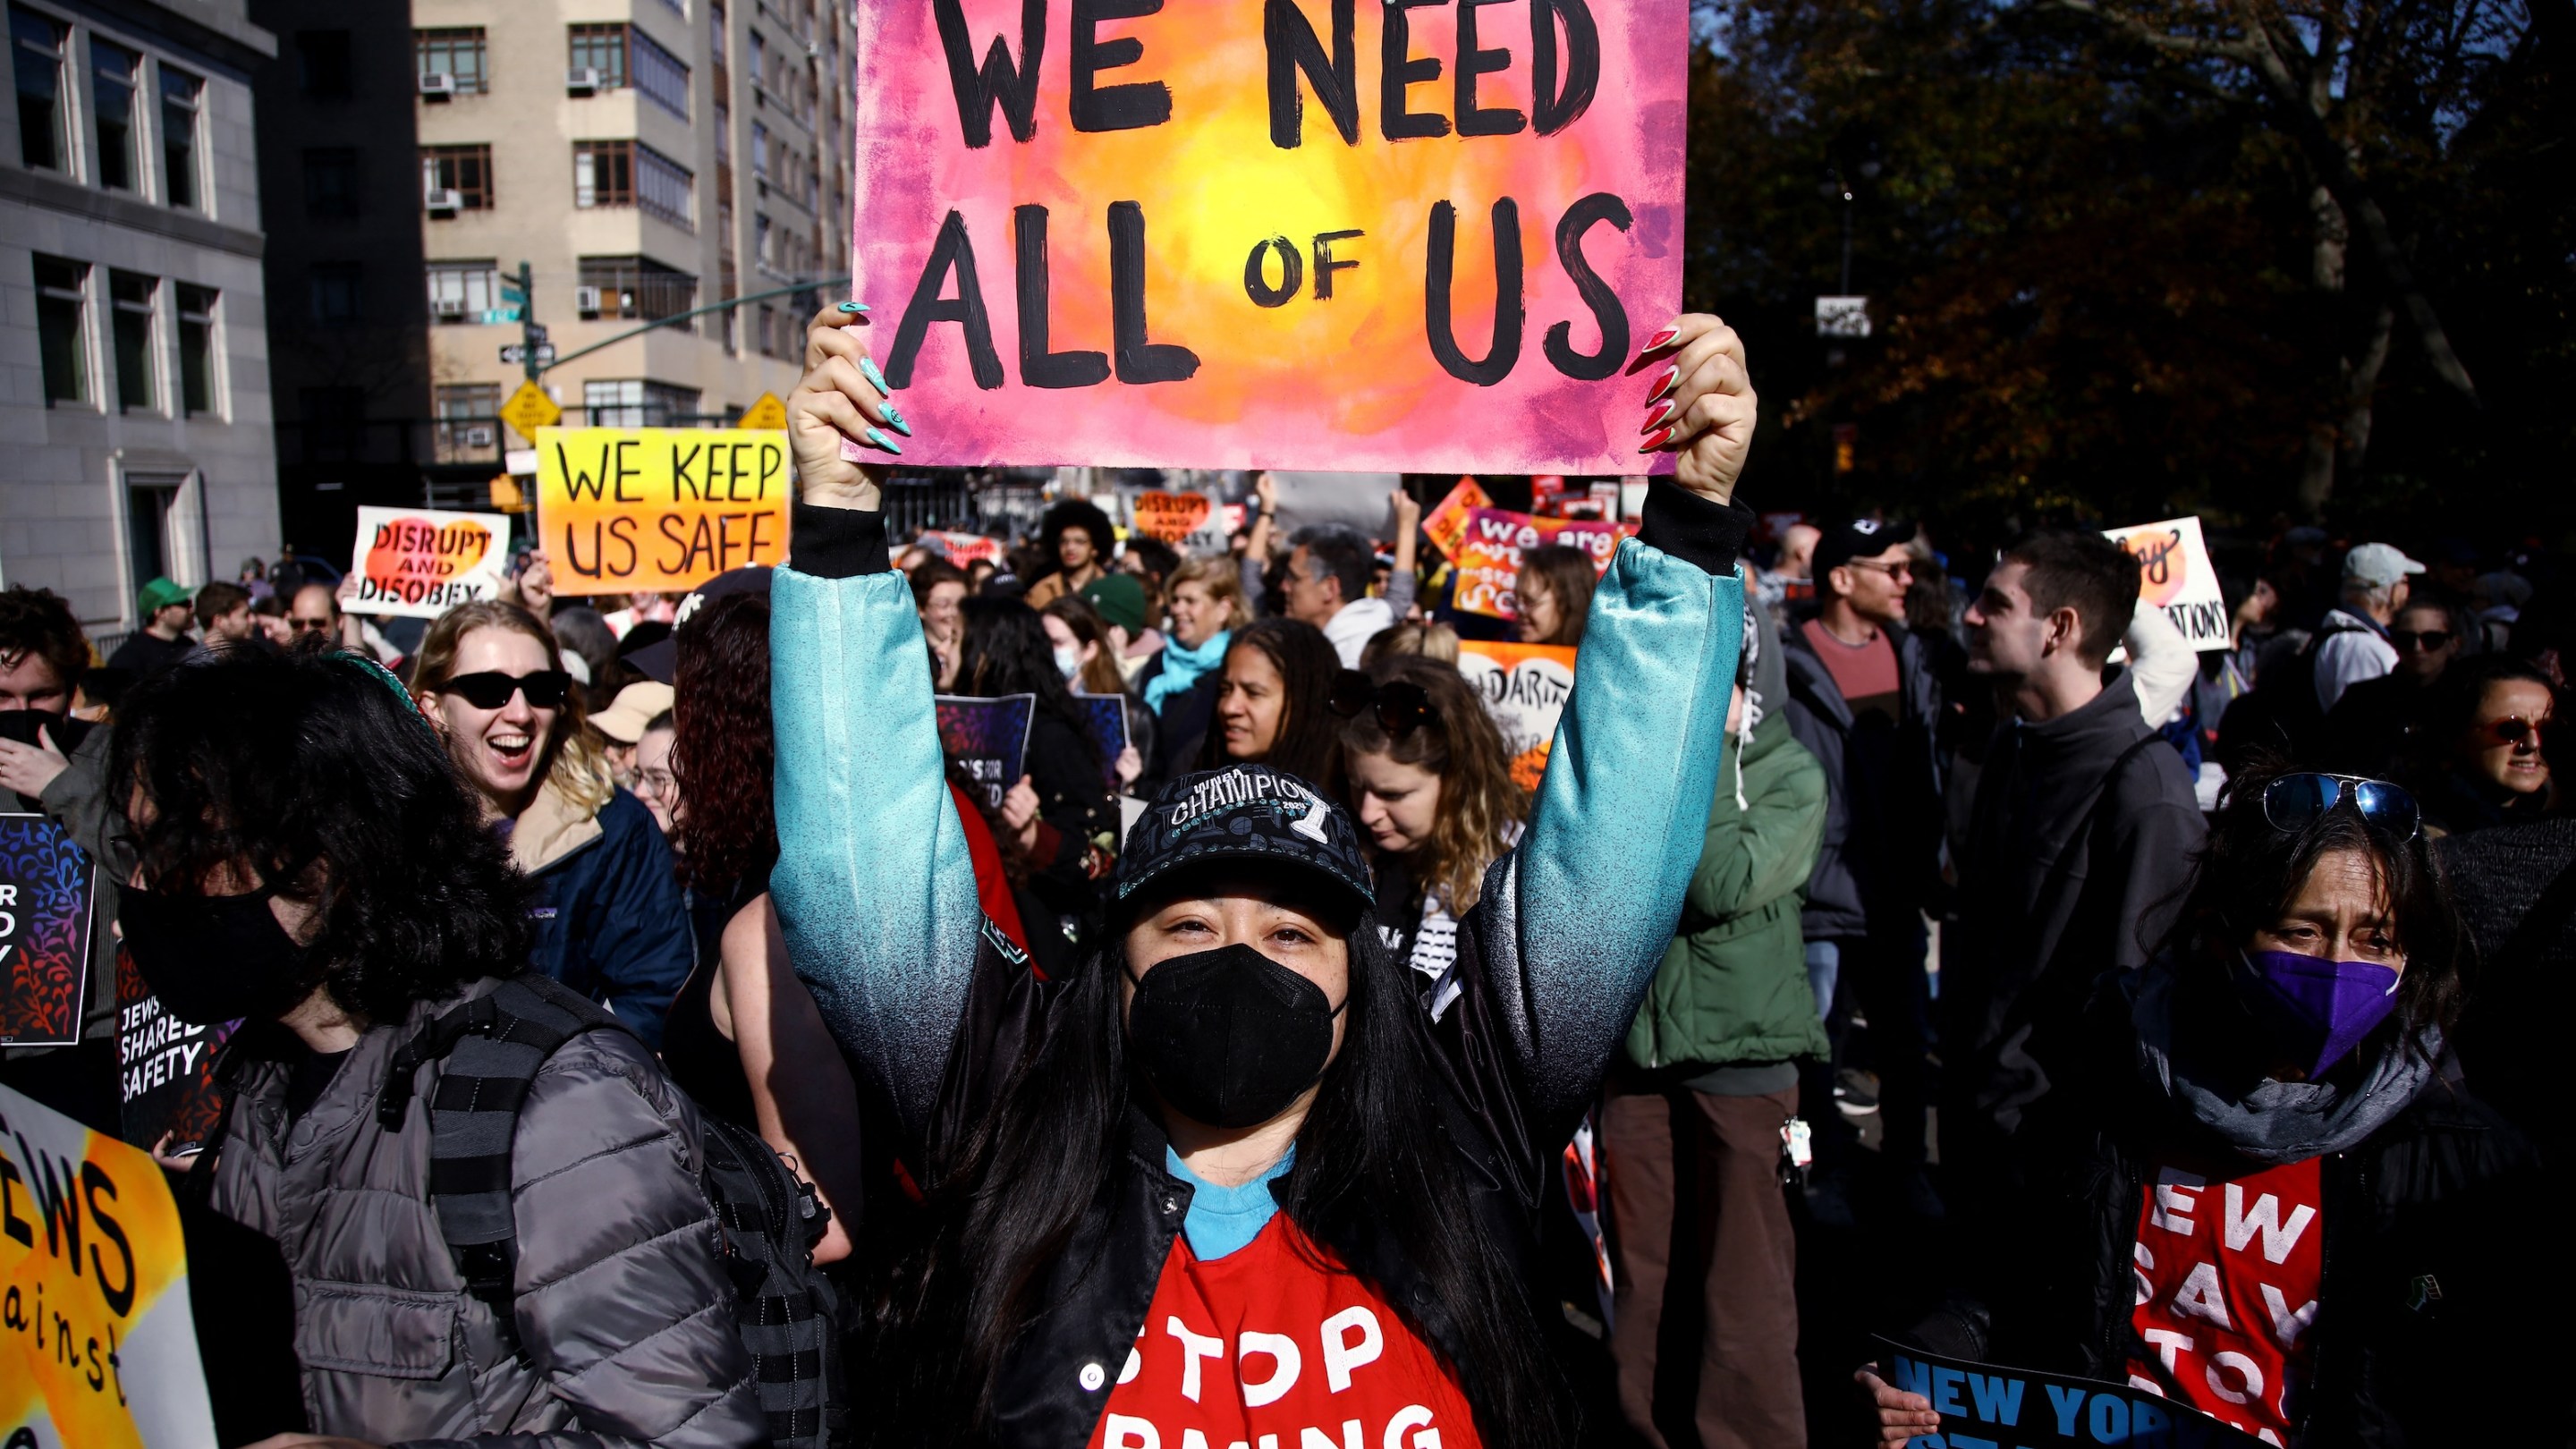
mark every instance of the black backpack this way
{"type": "Point", "coordinates": [491, 1048]}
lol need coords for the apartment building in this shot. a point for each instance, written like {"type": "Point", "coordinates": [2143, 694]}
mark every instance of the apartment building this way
{"type": "Point", "coordinates": [647, 158]}
{"type": "Point", "coordinates": [134, 405]}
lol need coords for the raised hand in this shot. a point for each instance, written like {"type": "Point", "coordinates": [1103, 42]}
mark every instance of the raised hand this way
{"type": "Point", "coordinates": [1701, 405]}
{"type": "Point", "coordinates": [840, 410]}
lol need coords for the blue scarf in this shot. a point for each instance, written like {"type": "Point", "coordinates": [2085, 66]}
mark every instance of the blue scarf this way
{"type": "Point", "coordinates": [1182, 667]}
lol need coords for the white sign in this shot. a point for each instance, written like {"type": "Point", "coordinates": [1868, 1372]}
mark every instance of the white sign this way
{"type": "Point", "coordinates": [418, 563]}
{"type": "Point", "coordinates": [2175, 575]}
{"type": "Point", "coordinates": [1842, 316]}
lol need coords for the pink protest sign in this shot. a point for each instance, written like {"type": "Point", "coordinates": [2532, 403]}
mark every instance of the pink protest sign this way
{"type": "Point", "coordinates": [1214, 233]}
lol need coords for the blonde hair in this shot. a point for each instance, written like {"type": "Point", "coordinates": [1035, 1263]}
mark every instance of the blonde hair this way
{"type": "Point", "coordinates": [1222, 578]}
{"type": "Point", "coordinates": [1459, 743]}
{"type": "Point", "coordinates": [1431, 641]}
{"type": "Point", "coordinates": [575, 764]}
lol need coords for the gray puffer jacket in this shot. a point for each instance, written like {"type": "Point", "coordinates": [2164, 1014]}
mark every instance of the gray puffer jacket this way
{"type": "Point", "coordinates": [624, 1312]}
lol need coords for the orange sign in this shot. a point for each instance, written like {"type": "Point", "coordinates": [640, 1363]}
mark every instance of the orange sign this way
{"type": "Point", "coordinates": [1172, 517]}
{"type": "Point", "coordinates": [1524, 687]}
{"type": "Point", "coordinates": [418, 563]}
{"type": "Point", "coordinates": [627, 510]}
{"type": "Point", "coordinates": [1489, 557]}
{"type": "Point", "coordinates": [2175, 575]}
{"type": "Point", "coordinates": [1447, 524]}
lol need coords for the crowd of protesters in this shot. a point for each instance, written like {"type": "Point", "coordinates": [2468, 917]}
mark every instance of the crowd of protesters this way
{"type": "Point", "coordinates": [652, 1034]}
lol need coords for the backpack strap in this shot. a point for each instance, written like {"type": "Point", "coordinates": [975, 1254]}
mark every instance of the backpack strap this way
{"type": "Point", "coordinates": [490, 1049]}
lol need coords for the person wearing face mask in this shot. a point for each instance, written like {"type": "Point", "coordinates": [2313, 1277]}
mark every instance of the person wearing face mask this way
{"type": "Point", "coordinates": [2261, 1191]}
{"type": "Point", "coordinates": [1180, 683]}
{"type": "Point", "coordinates": [1233, 1177]}
{"type": "Point", "coordinates": [2480, 754]}
{"type": "Point", "coordinates": [54, 765]}
{"type": "Point", "coordinates": [609, 919]}
{"type": "Point", "coordinates": [1699, 1111]}
{"type": "Point", "coordinates": [1273, 703]}
{"type": "Point", "coordinates": [309, 862]}
{"type": "Point", "coordinates": [1086, 655]}
{"type": "Point", "coordinates": [1061, 811]}
{"type": "Point", "coordinates": [1433, 789]}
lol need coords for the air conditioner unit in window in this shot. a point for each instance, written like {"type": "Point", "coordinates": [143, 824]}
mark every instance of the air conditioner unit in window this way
{"type": "Point", "coordinates": [448, 309]}
{"type": "Point", "coordinates": [585, 300]}
{"type": "Point", "coordinates": [582, 80]}
{"type": "Point", "coordinates": [438, 86]}
{"type": "Point", "coordinates": [478, 436]}
{"type": "Point", "coordinates": [813, 50]}
{"type": "Point", "coordinates": [444, 202]}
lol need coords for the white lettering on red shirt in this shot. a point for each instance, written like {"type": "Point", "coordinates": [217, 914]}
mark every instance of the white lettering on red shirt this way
{"type": "Point", "coordinates": [2227, 1269]}
{"type": "Point", "coordinates": [1276, 1346]}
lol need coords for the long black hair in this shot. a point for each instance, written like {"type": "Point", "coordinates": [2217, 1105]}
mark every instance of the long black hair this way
{"type": "Point", "coordinates": [2250, 871]}
{"type": "Point", "coordinates": [1006, 651]}
{"type": "Point", "coordinates": [1309, 743]}
{"type": "Point", "coordinates": [1005, 1201]}
{"type": "Point", "coordinates": [314, 769]}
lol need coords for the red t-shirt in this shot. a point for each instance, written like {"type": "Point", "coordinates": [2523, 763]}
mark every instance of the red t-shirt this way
{"type": "Point", "coordinates": [1865, 673]}
{"type": "Point", "coordinates": [1271, 1347]}
{"type": "Point", "coordinates": [2227, 1272]}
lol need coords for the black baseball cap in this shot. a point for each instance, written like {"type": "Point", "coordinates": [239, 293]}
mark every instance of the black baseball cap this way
{"type": "Point", "coordinates": [659, 660]}
{"type": "Point", "coordinates": [1245, 813]}
{"type": "Point", "coordinates": [1859, 538]}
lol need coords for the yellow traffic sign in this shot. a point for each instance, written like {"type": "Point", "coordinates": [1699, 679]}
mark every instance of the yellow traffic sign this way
{"type": "Point", "coordinates": [506, 495]}
{"type": "Point", "coordinates": [530, 409]}
{"type": "Point", "coordinates": [769, 412]}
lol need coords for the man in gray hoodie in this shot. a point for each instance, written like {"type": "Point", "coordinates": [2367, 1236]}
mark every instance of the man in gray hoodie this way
{"type": "Point", "coordinates": [2079, 850]}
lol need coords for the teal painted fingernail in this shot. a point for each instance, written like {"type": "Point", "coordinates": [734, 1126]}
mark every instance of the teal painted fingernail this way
{"type": "Point", "coordinates": [874, 438]}
{"type": "Point", "coordinates": [894, 420]}
{"type": "Point", "coordinates": [854, 307]}
{"type": "Point", "coordinates": [876, 379]}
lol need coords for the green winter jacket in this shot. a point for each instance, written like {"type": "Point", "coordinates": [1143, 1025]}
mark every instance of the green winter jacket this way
{"type": "Point", "coordinates": [1733, 985]}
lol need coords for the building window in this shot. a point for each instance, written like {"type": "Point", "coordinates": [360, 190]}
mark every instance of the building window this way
{"type": "Point", "coordinates": [464, 291]}
{"type": "Point", "coordinates": [660, 76]}
{"type": "Point", "coordinates": [331, 181]}
{"type": "Point", "coordinates": [62, 306]}
{"type": "Point", "coordinates": [197, 350]}
{"type": "Point", "coordinates": [716, 33]}
{"type": "Point", "coordinates": [640, 288]}
{"type": "Point", "coordinates": [464, 170]}
{"type": "Point", "coordinates": [631, 403]}
{"type": "Point", "coordinates": [132, 297]}
{"type": "Point", "coordinates": [36, 48]}
{"type": "Point", "coordinates": [112, 76]}
{"type": "Point", "coordinates": [468, 427]}
{"type": "Point", "coordinates": [456, 53]}
{"type": "Point", "coordinates": [602, 49]}
{"type": "Point", "coordinates": [335, 421]}
{"type": "Point", "coordinates": [630, 173]}
{"type": "Point", "coordinates": [333, 291]}
{"type": "Point", "coordinates": [182, 103]}
{"type": "Point", "coordinates": [603, 173]}
{"type": "Point", "coordinates": [322, 63]}
{"type": "Point", "coordinates": [757, 65]}
{"type": "Point", "coordinates": [760, 150]}
{"type": "Point", "coordinates": [724, 145]}
{"type": "Point", "coordinates": [152, 541]}
{"type": "Point", "coordinates": [761, 245]}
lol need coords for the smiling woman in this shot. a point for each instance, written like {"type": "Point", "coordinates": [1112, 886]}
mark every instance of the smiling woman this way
{"type": "Point", "coordinates": [610, 920]}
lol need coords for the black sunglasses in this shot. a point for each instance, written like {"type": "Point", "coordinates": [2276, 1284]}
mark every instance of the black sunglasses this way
{"type": "Point", "coordinates": [2295, 802]}
{"type": "Point", "coordinates": [492, 689]}
{"type": "Point", "coordinates": [2427, 640]}
{"type": "Point", "coordinates": [1401, 706]}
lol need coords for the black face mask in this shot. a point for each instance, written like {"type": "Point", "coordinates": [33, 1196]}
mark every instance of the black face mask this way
{"type": "Point", "coordinates": [21, 725]}
{"type": "Point", "coordinates": [1229, 1037]}
{"type": "Point", "coordinates": [213, 959]}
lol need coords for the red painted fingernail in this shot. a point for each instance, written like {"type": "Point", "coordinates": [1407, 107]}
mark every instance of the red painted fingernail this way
{"type": "Point", "coordinates": [1655, 439]}
{"type": "Point", "coordinates": [1664, 383]}
{"type": "Point", "coordinates": [1658, 413]}
{"type": "Point", "coordinates": [1661, 339]}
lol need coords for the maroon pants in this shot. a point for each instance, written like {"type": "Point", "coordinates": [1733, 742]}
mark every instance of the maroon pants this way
{"type": "Point", "coordinates": [1696, 1208]}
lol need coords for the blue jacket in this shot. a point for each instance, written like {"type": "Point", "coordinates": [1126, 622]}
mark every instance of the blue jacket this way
{"type": "Point", "coordinates": [611, 920]}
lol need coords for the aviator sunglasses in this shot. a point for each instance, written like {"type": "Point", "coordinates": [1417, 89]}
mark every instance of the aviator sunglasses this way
{"type": "Point", "coordinates": [1401, 707]}
{"type": "Point", "coordinates": [492, 689]}
{"type": "Point", "coordinates": [2295, 802]}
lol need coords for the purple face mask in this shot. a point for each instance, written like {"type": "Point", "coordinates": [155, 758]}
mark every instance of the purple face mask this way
{"type": "Point", "coordinates": [2318, 1010]}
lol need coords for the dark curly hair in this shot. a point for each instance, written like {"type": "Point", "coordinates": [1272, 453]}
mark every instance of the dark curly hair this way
{"type": "Point", "coordinates": [313, 770]}
{"type": "Point", "coordinates": [2250, 871]}
{"type": "Point", "coordinates": [722, 752]}
{"type": "Point", "coordinates": [39, 622]}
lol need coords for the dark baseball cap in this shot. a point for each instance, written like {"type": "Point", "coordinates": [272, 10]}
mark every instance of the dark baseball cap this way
{"type": "Point", "coordinates": [1250, 814]}
{"type": "Point", "coordinates": [660, 659]}
{"type": "Point", "coordinates": [1859, 538]}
